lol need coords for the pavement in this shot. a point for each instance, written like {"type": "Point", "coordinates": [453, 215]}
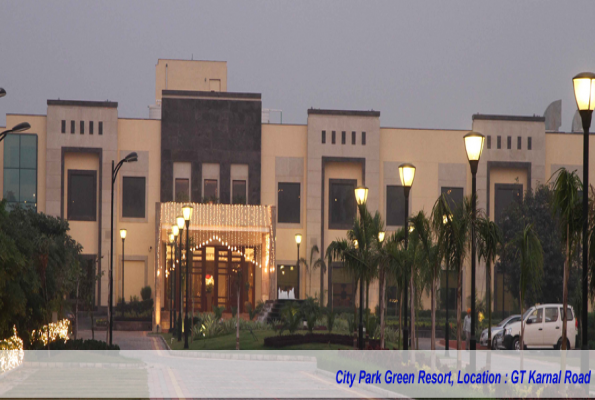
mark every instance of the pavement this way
{"type": "Point", "coordinates": [129, 340]}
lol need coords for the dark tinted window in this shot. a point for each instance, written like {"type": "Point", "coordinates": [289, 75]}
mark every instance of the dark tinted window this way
{"type": "Point", "coordinates": [82, 127]}
{"type": "Point", "coordinates": [353, 137]}
{"type": "Point", "coordinates": [343, 139]}
{"type": "Point", "coordinates": [551, 314]}
{"type": "Point", "coordinates": [509, 143]}
{"type": "Point", "coordinates": [71, 126]}
{"type": "Point", "coordinates": [343, 287]}
{"type": "Point", "coordinates": [100, 128]}
{"type": "Point", "coordinates": [454, 196]}
{"type": "Point", "coordinates": [489, 141]}
{"type": "Point", "coordinates": [504, 196]}
{"type": "Point", "coordinates": [288, 202]}
{"type": "Point", "coordinates": [238, 192]}
{"type": "Point", "coordinates": [133, 197]}
{"type": "Point", "coordinates": [333, 137]}
{"type": "Point", "coordinates": [20, 170]}
{"type": "Point", "coordinates": [395, 205]}
{"type": "Point", "coordinates": [499, 142]}
{"type": "Point", "coordinates": [90, 127]}
{"type": "Point", "coordinates": [210, 192]}
{"type": "Point", "coordinates": [342, 206]}
{"type": "Point", "coordinates": [82, 195]}
{"type": "Point", "coordinates": [569, 314]}
{"type": "Point", "coordinates": [323, 137]}
{"type": "Point", "coordinates": [63, 126]}
{"type": "Point", "coordinates": [529, 144]}
{"type": "Point", "coordinates": [364, 138]}
{"type": "Point", "coordinates": [182, 190]}
{"type": "Point", "coordinates": [518, 143]}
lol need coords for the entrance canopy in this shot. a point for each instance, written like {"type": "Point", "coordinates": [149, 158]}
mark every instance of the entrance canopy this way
{"type": "Point", "coordinates": [248, 230]}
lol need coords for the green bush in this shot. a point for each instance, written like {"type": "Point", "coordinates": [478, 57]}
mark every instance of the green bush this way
{"type": "Point", "coordinates": [145, 293]}
{"type": "Point", "coordinates": [310, 310]}
{"type": "Point", "coordinates": [291, 317]}
{"type": "Point", "coordinates": [331, 316]}
{"type": "Point", "coordinates": [79, 344]}
{"type": "Point", "coordinates": [218, 310]}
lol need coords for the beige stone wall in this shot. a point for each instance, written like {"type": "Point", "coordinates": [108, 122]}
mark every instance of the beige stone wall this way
{"type": "Point", "coordinates": [190, 75]}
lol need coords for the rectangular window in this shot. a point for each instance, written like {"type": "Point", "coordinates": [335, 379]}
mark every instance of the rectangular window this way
{"type": "Point", "coordinates": [82, 127]}
{"type": "Point", "coordinates": [182, 190]}
{"type": "Point", "coordinates": [395, 205]}
{"type": "Point", "coordinates": [288, 202]}
{"type": "Point", "coordinates": [323, 137]}
{"type": "Point", "coordinates": [100, 128]}
{"type": "Point", "coordinates": [518, 143]}
{"type": "Point", "coordinates": [133, 197]}
{"type": "Point", "coordinates": [551, 314]}
{"type": "Point", "coordinates": [333, 138]}
{"type": "Point", "coordinates": [20, 170]}
{"type": "Point", "coordinates": [82, 195]}
{"type": "Point", "coordinates": [499, 142]}
{"type": "Point", "coordinates": [343, 287]}
{"type": "Point", "coordinates": [529, 144]}
{"type": "Point", "coordinates": [505, 195]}
{"type": "Point", "coordinates": [353, 137]}
{"type": "Point", "coordinates": [71, 126]}
{"type": "Point", "coordinates": [489, 142]}
{"type": "Point", "coordinates": [569, 316]}
{"type": "Point", "coordinates": [364, 138]}
{"type": "Point", "coordinates": [343, 138]}
{"type": "Point", "coordinates": [90, 127]}
{"type": "Point", "coordinates": [509, 142]}
{"type": "Point", "coordinates": [342, 206]}
{"type": "Point", "coordinates": [63, 126]}
{"type": "Point", "coordinates": [454, 196]}
{"type": "Point", "coordinates": [238, 192]}
{"type": "Point", "coordinates": [210, 190]}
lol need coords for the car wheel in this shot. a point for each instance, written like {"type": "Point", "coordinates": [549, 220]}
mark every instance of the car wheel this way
{"type": "Point", "coordinates": [516, 344]}
{"type": "Point", "coordinates": [494, 346]}
{"type": "Point", "coordinates": [559, 345]}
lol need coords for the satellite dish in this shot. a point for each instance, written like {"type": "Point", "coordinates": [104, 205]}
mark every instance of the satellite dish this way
{"type": "Point", "coordinates": [553, 116]}
{"type": "Point", "coordinates": [577, 122]}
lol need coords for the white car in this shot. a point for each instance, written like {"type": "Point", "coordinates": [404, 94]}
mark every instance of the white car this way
{"type": "Point", "coordinates": [543, 328]}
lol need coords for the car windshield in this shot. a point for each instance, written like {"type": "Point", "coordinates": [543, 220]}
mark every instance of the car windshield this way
{"type": "Point", "coordinates": [504, 321]}
{"type": "Point", "coordinates": [529, 311]}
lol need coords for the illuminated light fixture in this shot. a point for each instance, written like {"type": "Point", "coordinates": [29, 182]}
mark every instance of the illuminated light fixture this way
{"type": "Point", "coordinates": [474, 147]}
{"type": "Point", "coordinates": [291, 269]}
{"type": "Point", "coordinates": [180, 221]}
{"type": "Point", "coordinates": [187, 212]}
{"type": "Point", "coordinates": [175, 230]}
{"type": "Point", "coordinates": [282, 272]}
{"type": "Point", "coordinates": [356, 244]}
{"type": "Point", "coordinates": [298, 238]}
{"type": "Point", "coordinates": [361, 195]}
{"type": "Point", "coordinates": [381, 235]}
{"type": "Point", "coordinates": [584, 91]}
{"type": "Point", "coordinates": [172, 237]}
{"type": "Point", "coordinates": [411, 228]}
{"type": "Point", "coordinates": [407, 174]}
{"type": "Point", "coordinates": [281, 267]}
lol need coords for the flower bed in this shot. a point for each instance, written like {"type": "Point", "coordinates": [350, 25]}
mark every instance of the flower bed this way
{"type": "Point", "coordinates": [291, 340]}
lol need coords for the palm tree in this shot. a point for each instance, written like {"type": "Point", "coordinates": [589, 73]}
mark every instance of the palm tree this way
{"type": "Point", "coordinates": [566, 204]}
{"type": "Point", "coordinates": [454, 227]}
{"type": "Point", "coordinates": [312, 265]}
{"type": "Point", "coordinates": [489, 238]}
{"type": "Point", "coordinates": [531, 266]}
{"type": "Point", "coordinates": [398, 267]}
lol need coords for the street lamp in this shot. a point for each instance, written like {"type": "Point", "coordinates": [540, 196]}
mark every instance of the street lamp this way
{"type": "Point", "coordinates": [132, 157]}
{"type": "Point", "coordinates": [123, 236]}
{"type": "Point", "coordinates": [187, 211]}
{"type": "Point", "coordinates": [407, 174]}
{"type": "Point", "coordinates": [361, 195]}
{"type": "Point", "coordinates": [298, 240]}
{"type": "Point", "coordinates": [180, 223]}
{"type": "Point", "coordinates": [2, 92]}
{"type": "Point", "coordinates": [584, 92]}
{"type": "Point", "coordinates": [172, 242]}
{"type": "Point", "coordinates": [473, 146]}
{"type": "Point", "coordinates": [23, 126]}
{"type": "Point", "coordinates": [381, 235]}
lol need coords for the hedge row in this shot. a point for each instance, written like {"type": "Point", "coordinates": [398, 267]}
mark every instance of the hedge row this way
{"type": "Point", "coordinates": [292, 340]}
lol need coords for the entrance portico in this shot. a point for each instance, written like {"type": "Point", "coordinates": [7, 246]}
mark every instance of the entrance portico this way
{"type": "Point", "coordinates": [232, 253]}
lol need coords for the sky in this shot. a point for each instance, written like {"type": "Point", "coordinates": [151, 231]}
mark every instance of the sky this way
{"type": "Point", "coordinates": [422, 64]}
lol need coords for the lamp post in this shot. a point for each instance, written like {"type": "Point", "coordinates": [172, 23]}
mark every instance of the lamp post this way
{"type": "Point", "coordinates": [123, 236]}
{"type": "Point", "coordinates": [180, 222]}
{"type": "Point", "coordinates": [298, 240]}
{"type": "Point", "coordinates": [407, 174]}
{"type": "Point", "coordinates": [132, 157]}
{"type": "Point", "coordinates": [361, 195]}
{"type": "Point", "coordinates": [445, 220]}
{"type": "Point", "coordinates": [23, 126]}
{"type": "Point", "coordinates": [2, 92]}
{"type": "Point", "coordinates": [584, 93]}
{"type": "Point", "coordinates": [172, 242]}
{"type": "Point", "coordinates": [473, 146]}
{"type": "Point", "coordinates": [187, 211]}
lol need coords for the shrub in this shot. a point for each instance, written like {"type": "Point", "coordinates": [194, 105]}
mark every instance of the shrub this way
{"type": "Point", "coordinates": [234, 311]}
{"type": "Point", "coordinates": [291, 317]}
{"type": "Point", "coordinates": [218, 310]}
{"type": "Point", "coordinates": [330, 319]}
{"type": "Point", "coordinates": [80, 344]}
{"type": "Point", "coordinates": [310, 310]}
{"type": "Point", "coordinates": [292, 340]}
{"type": "Point", "coordinates": [145, 293]}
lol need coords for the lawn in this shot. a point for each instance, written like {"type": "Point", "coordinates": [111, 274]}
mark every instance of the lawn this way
{"type": "Point", "coordinates": [247, 342]}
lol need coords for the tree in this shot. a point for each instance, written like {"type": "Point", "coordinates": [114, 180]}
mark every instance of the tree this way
{"type": "Point", "coordinates": [531, 267]}
{"type": "Point", "coordinates": [489, 238]}
{"type": "Point", "coordinates": [399, 266]}
{"type": "Point", "coordinates": [311, 267]}
{"type": "Point", "coordinates": [567, 205]}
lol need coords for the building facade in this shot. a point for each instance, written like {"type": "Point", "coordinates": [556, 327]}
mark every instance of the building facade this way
{"type": "Point", "coordinates": [253, 186]}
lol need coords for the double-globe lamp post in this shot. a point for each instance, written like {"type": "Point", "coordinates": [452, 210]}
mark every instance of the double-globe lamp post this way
{"type": "Point", "coordinates": [187, 212]}
{"type": "Point", "coordinates": [23, 126]}
{"type": "Point", "coordinates": [132, 157]}
{"type": "Point", "coordinates": [584, 93]}
{"type": "Point", "coordinates": [180, 223]}
{"type": "Point", "coordinates": [298, 241]}
{"type": "Point", "coordinates": [361, 196]}
{"type": "Point", "coordinates": [473, 146]}
{"type": "Point", "coordinates": [123, 233]}
{"type": "Point", "coordinates": [407, 175]}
